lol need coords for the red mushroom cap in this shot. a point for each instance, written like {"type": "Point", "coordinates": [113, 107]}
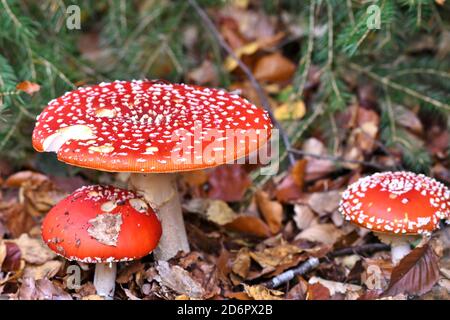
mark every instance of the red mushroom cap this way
{"type": "Point", "coordinates": [101, 224]}
{"type": "Point", "coordinates": [149, 126]}
{"type": "Point", "coordinates": [396, 202]}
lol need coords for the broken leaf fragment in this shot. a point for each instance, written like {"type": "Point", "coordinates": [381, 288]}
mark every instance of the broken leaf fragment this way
{"type": "Point", "coordinates": [290, 111]}
{"type": "Point", "coordinates": [259, 292]}
{"type": "Point", "coordinates": [179, 280]}
{"type": "Point", "coordinates": [28, 87]}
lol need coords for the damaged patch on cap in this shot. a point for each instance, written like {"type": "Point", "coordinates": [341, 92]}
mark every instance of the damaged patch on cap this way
{"type": "Point", "coordinates": [106, 228]}
{"type": "Point", "coordinates": [76, 132]}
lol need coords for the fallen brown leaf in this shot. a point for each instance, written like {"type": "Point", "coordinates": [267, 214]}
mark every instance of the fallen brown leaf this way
{"type": "Point", "coordinates": [273, 257]}
{"type": "Point", "coordinates": [241, 264]}
{"type": "Point", "coordinates": [33, 250]}
{"type": "Point", "coordinates": [15, 217]}
{"type": "Point", "coordinates": [272, 211]}
{"type": "Point", "coordinates": [324, 203]}
{"type": "Point", "coordinates": [274, 68]}
{"type": "Point", "coordinates": [179, 280]}
{"type": "Point", "coordinates": [317, 291]}
{"type": "Point", "coordinates": [228, 183]}
{"type": "Point", "coordinates": [259, 292]}
{"type": "Point", "coordinates": [205, 74]}
{"type": "Point", "coordinates": [47, 270]}
{"type": "Point", "coordinates": [351, 291]}
{"type": "Point", "coordinates": [324, 233]}
{"type": "Point", "coordinates": [304, 217]}
{"type": "Point", "coordinates": [249, 225]}
{"type": "Point", "coordinates": [16, 180]}
{"type": "Point", "coordinates": [299, 291]}
{"type": "Point", "coordinates": [415, 274]}
{"type": "Point", "coordinates": [42, 289]}
{"type": "Point", "coordinates": [290, 111]}
{"type": "Point", "coordinates": [10, 256]}
{"type": "Point", "coordinates": [28, 87]}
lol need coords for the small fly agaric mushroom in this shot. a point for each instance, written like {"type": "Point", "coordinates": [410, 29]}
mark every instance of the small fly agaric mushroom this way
{"type": "Point", "coordinates": [397, 206]}
{"type": "Point", "coordinates": [102, 225]}
{"type": "Point", "coordinates": [152, 130]}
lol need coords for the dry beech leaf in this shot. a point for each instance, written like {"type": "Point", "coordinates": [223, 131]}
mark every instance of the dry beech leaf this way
{"type": "Point", "coordinates": [250, 225]}
{"type": "Point", "coordinates": [33, 250]}
{"type": "Point", "coordinates": [220, 213]}
{"type": "Point", "coordinates": [47, 270]}
{"type": "Point", "coordinates": [205, 74]}
{"type": "Point", "coordinates": [272, 211]}
{"type": "Point", "coordinates": [299, 291]}
{"type": "Point", "coordinates": [408, 119]}
{"type": "Point", "coordinates": [92, 297]}
{"type": "Point", "coordinates": [291, 186]}
{"type": "Point", "coordinates": [376, 274]}
{"type": "Point", "coordinates": [274, 68]}
{"type": "Point", "coordinates": [290, 111]}
{"type": "Point", "coordinates": [15, 218]}
{"type": "Point", "coordinates": [317, 291]}
{"type": "Point", "coordinates": [16, 180]}
{"type": "Point", "coordinates": [351, 291]}
{"type": "Point", "coordinates": [10, 256]}
{"type": "Point", "coordinates": [259, 292]}
{"type": "Point", "coordinates": [416, 273]}
{"type": "Point", "coordinates": [325, 233]}
{"type": "Point", "coordinates": [251, 48]}
{"type": "Point", "coordinates": [304, 217]}
{"type": "Point", "coordinates": [324, 203]}
{"type": "Point", "coordinates": [237, 295]}
{"type": "Point", "coordinates": [216, 211]}
{"type": "Point", "coordinates": [273, 257]}
{"type": "Point", "coordinates": [364, 136]}
{"type": "Point", "coordinates": [39, 198]}
{"type": "Point", "coordinates": [179, 280]}
{"type": "Point", "coordinates": [3, 253]}
{"type": "Point", "coordinates": [241, 264]}
{"type": "Point", "coordinates": [288, 190]}
{"type": "Point", "coordinates": [126, 274]}
{"type": "Point", "coordinates": [228, 183]}
{"type": "Point", "coordinates": [316, 168]}
{"type": "Point", "coordinates": [42, 289]}
{"type": "Point", "coordinates": [28, 87]}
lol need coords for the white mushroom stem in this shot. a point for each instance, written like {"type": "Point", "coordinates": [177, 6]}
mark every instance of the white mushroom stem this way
{"type": "Point", "coordinates": [399, 251]}
{"type": "Point", "coordinates": [400, 245]}
{"type": "Point", "coordinates": [105, 279]}
{"type": "Point", "coordinates": [160, 191]}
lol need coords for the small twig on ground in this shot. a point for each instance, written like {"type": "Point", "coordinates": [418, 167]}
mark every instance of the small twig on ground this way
{"type": "Point", "coordinates": [338, 159]}
{"type": "Point", "coordinates": [313, 262]}
{"type": "Point", "coordinates": [259, 90]}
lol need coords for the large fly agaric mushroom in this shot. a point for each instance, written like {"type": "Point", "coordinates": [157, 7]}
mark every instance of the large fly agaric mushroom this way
{"type": "Point", "coordinates": [397, 206]}
{"type": "Point", "coordinates": [152, 129]}
{"type": "Point", "coordinates": [102, 225]}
